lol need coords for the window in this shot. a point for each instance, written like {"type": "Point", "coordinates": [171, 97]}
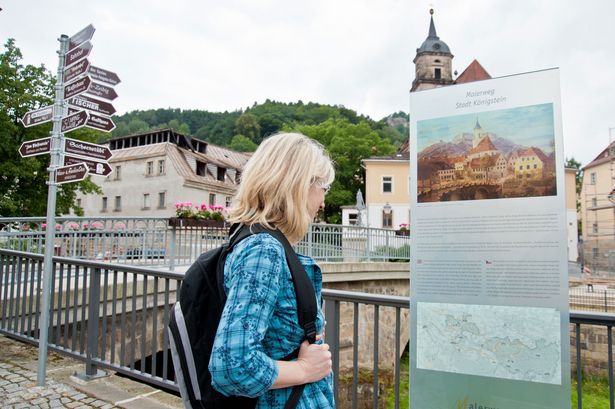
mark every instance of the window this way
{"type": "Point", "coordinates": [595, 228]}
{"type": "Point", "coordinates": [149, 169]}
{"type": "Point", "coordinates": [437, 73]}
{"type": "Point", "coordinates": [387, 184]}
{"type": "Point", "coordinates": [593, 178]}
{"type": "Point", "coordinates": [221, 173]}
{"type": "Point", "coordinates": [78, 202]}
{"type": "Point", "coordinates": [162, 200]}
{"type": "Point", "coordinates": [201, 168]}
{"type": "Point", "coordinates": [387, 219]}
{"type": "Point", "coordinates": [352, 219]}
{"type": "Point", "coordinates": [118, 204]}
{"type": "Point", "coordinates": [161, 167]}
{"type": "Point", "coordinates": [146, 201]}
{"type": "Point", "coordinates": [535, 166]}
{"type": "Point", "coordinates": [212, 199]}
{"type": "Point", "coordinates": [595, 252]}
{"type": "Point", "coordinates": [521, 167]}
{"type": "Point", "coordinates": [104, 204]}
{"type": "Point", "coordinates": [118, 172]}
{"type": "Point", "coordinates": [594, 202]}
{"type": "Point", "coordinates": [227, 202]}
{"type": "Point", "coordinates": [527, 166]}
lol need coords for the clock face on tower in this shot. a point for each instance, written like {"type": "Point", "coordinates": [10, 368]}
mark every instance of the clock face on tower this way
{"type": "Point", "coordinates": [436, 46]}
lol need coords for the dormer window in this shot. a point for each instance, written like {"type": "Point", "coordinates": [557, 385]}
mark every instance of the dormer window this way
{"type": "Point", "coordinates": [221, 173]}
{"type": "Point", "coordinates": [201, 168]}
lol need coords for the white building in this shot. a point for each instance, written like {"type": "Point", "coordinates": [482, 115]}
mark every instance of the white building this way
{"type": "Point", "coordinates": [154, 170]}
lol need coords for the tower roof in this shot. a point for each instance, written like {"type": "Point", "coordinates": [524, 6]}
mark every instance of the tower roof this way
{"type": "Point", "coordinates": [432, 43]}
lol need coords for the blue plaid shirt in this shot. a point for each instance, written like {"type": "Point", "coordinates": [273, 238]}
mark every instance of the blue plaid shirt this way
{"type": "Point", "coordinates": [259, 325]}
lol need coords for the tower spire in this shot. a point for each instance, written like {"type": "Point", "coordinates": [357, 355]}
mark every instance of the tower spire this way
{"type": "Point", "coordinates": [432, 28]}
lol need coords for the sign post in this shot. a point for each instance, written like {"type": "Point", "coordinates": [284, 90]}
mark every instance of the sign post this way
{"type": "Point", "coordinates": [56, 161]}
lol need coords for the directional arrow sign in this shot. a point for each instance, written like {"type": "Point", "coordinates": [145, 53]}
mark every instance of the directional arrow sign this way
{"type": "Point", "coordinates": [37, 116]}
{"type": "Point", "coordinates": [98, 74]}
{"type": "Point", "coordinates": [74, 121]}
{"type": "Point", "coordinates": [89, 150]}
{"type": "Point", "coordinates": [77, 87]}
{"type": "Point", "coordinates": [76, 70]}
{"type": "Point", "coordinates": [71, 173]}
{"type": "Point", "coordinates": [92, 104]}
{"type": "Point", "coordinates": [102, 123]}
{"type": "Point", "coordinates": [94, 167]}
{"type": "Point", "coordinates": [78, 53]}
{"type": "Point", "coordinates": [102, 91]}
{"type": "Point", "coordinates": [81, 37]}
{"type": "Point", "coordinates": [35, 147]}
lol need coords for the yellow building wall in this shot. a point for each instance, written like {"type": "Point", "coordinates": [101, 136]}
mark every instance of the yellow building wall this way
{"type": "Point", "coordinates": [398, 170]}
{"type": "Point", "coordinates": [570, 186]}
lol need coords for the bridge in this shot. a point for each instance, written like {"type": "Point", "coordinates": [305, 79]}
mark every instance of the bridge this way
{"type": "Point", "coordinates": [466, 190]}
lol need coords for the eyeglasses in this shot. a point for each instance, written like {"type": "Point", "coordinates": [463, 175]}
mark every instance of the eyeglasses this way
{"type": "Point", "coordinates": [323, 186]}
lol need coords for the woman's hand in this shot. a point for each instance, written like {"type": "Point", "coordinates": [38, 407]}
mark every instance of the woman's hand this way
{"type": "Point", "coordinates": [315, 361]}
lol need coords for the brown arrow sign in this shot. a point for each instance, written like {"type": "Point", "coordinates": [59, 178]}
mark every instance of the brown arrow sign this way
{"type": "Point", "coordinates": [35, 147]}
{"type": "Point", "coordinates": [92, 104]}
{"type": "Point", "coordinates": [82, 36]}
{"type": "Point", "coordinates": [102, 91]}
{"type": "Point", "coordinates": [71, 173]}
{"type": "Point", "coordinates": [94, 167]}
{"type": "Point", "coordinates": [37, 116]}
{"type": "Point", "coordinates": [76, 70]}
{"type": "Point", "coordinates": [74, 121]}
{"type": "Point", "coordinates": [89, 150]}
{"type": "Point", "coordinates": [102, 123]}
{"type": "Point", "coordinates": [78, 53]}
{"type": "Point", "coordinates": [105, 76]}
{"type": "Point", "coordinates": [77, 87]}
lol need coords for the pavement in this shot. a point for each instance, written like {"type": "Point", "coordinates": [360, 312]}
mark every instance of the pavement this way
{"type": "Point", "coordinates": [18, 386]}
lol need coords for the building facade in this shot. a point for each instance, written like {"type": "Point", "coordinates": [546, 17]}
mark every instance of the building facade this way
{"type": "Point", "coordinates": [598, 210]}
{"type": "Point", "coordinates": [154, 170]}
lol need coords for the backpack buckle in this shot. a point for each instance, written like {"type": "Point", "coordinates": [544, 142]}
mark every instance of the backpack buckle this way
{"type": "Point", "coordinates": [310, 332]}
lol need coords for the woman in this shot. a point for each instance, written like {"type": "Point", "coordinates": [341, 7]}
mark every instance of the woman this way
{"type": "Point", "coordinates": [283, 186]}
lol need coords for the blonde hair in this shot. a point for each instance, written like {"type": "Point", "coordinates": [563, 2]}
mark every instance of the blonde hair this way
{"type": "Point", "coordinates": [276, 181]}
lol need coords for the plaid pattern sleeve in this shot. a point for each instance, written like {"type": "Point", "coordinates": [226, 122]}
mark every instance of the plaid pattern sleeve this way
{"type": "Point", "coordinates": [259, 326]}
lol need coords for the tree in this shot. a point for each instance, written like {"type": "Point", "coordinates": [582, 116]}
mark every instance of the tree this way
{"type": "Point", "coordinates": [578, 179]}
{"type": "Point", "coordinates": [247, 125]}
{"type": "Point", "coordinates": [348, 144]}
{"type": "Point", "coordinates": [23, 188]}
{"type": "Point", "coordinates": [241, 143]}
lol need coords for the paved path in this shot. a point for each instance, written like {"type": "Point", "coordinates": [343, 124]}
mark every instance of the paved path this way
{"type": "Point", "coordinates": [18, 386]}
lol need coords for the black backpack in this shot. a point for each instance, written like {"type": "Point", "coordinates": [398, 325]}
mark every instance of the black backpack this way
{"type": "Point", "coordinates": [195, 317]}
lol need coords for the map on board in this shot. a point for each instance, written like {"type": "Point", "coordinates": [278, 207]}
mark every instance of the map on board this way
{"type": "Point", "coordinates": [519, 343]}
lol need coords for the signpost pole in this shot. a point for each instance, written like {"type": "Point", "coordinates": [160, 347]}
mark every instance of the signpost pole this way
{"type": "Point", "coordinates": [57, 149]}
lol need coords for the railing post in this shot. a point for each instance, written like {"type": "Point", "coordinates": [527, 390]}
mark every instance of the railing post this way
{"type": "Point", "coordinates": [91, 353]}
{"type": "Point", "coordinates": [172, 249]}
{"type": "Point", "coordinates": [332, 337]}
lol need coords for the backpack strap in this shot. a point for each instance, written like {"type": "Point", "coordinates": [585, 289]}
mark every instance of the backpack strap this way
{"type": "Point", "coordinates": [307, 309]}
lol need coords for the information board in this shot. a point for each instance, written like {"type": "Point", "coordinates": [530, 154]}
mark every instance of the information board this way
{"type": "Point", "coordinates": [489, 282]}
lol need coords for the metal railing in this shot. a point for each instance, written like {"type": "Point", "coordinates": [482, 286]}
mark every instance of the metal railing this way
{"type": "Point", "coordinates": [115, 317]}
{"type": "Point", "coordinates": [152, 241]}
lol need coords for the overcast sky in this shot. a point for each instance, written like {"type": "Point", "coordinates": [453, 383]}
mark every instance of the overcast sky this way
{"type": "Point", "coordinates": [226, 55]}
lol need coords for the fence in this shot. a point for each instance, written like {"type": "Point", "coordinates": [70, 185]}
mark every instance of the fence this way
{"type": "Point", "coordinates": [151, 241]}
{"type": "Point", "coordinates": [114, 317]}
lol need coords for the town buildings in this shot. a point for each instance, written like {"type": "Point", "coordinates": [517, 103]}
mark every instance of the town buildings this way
{"type": "Point", "coordinates": [598, 210]}
{"type": "Point", "coordinates": [154, 170]}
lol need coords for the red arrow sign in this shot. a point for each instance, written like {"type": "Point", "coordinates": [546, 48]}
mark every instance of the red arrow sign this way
{"type": "Point", "coordinates": [89, 150]}
{"type": "Point", "coordinates": [81, 37]}
{"type": "Point", "coordinates": [76, 70]}
{"type": "Point", "coordinates": [77, 87]}
{"type": "Point", "coordinates": [92, 104]}
{"type": "Point", "coordinates": [78, 53]}
{"type": "Point", "coordinates": [102, 91]}
{"type": "Point", "coordinates": [102, 123]}
{"type": "Point", "coordinates": [37, 116]}
{"type": "Point", "coordinates": [35, 147]}
{"type": "Point", "coordinates": [71, 173]}
{"type": "Point", "coordinates": [94, 167]}
{"type": "Point", "coordinates": [74, 121]}
{"type": "Point", "coordinates": [105, 76]}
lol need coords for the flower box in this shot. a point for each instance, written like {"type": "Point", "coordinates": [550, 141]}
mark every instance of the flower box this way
{"type": "Point", "coordinates": [402, 232]}
{"type": "Point", "coordinates": [191, 222]}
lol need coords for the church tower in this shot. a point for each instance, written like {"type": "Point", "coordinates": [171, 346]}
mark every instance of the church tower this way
{"type": "Point", "coordinates": [476, 134]}
{"type": "Point", "coordinates": [433, 62]}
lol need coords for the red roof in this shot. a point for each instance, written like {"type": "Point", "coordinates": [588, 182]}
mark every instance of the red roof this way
{"type": "Point", "coordinates": [534, 152]}
{"type": "Point", "coordinates": [473, 72]}
{"type": "Point", "coordinates": [484, 145]}
{"type": "Point", "coordinates": [603, 157]}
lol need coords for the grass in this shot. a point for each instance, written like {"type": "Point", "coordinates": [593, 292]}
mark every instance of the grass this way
{"type": "Point", "coordinates": [595, 390]}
